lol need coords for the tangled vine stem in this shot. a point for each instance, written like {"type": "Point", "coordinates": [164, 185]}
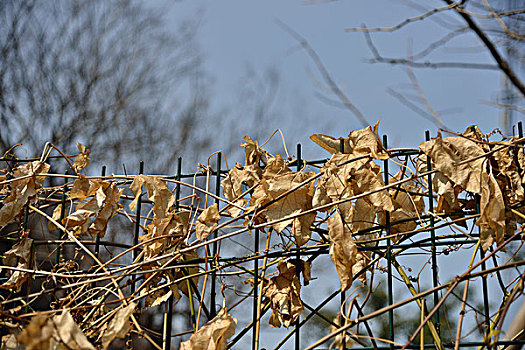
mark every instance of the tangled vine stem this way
{"type": "Point", "coordinates": [366, 219]}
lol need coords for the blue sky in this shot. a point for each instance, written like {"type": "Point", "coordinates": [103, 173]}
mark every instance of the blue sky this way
{"type": "Point", "coordinates": [236, 34]}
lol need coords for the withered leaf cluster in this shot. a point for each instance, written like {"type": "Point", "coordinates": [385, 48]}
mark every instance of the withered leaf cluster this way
{"type": "Point", "coordinates": [345, 205]}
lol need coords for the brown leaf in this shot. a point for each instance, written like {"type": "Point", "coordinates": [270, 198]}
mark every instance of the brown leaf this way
{"type": "Point", "coordinates": [103, 206]}
{"type": "Point", "coordinates": [38, 335]}
{"type": "Point", "coordinates": [56, 216]}
{"type": "Point", "coordinates": [366, 141]}
{"type": "Point", "coordinates": [175, 225]}
{"type": "Point", "coordinates": [507, 160]}
{"type": "Point", "coordinates": [359, 142]}
{"type": "Point", "coordinates": [83, 188]}
{"type": "Point", "coordinates": [331, 144]}
{"type": "Point", "coordinates": [447, 153]}
{"type": "Point", "coordinates": [254, 154]}
{"type": "Point", "coordinates": [406, 206]}
{"type": "Point", "coordinates": [22, 190]}
{"type": "Point", "coordinates": [214, 334]}
{"type": "Point", "coordinates": [343, 250]}
{"type": "Point", "coordinates": [283, 291]}
{"type": "Point", "coordinates": [492, 212]}
{"type": "Point", "coordinates": [82, 160]}
{"type": "Point", "coordinates": [59, 332]}
{"type": "Point", "coordinates": [352, 178]}
{"type": "Point", "coordinates": [20, 256]}
{"type": "Point", "coordinates": [238, 175]}
{"type": "Point", "coordinates": [295, 202]}
{"type": "Point", "coordinates": [68, 332]}
{"type": "Point", "coordinates": [157, 191]}
{"type": "Point", "coordinates": [118, 326]}
{"type": "Point", "coordinates": [207, 221]}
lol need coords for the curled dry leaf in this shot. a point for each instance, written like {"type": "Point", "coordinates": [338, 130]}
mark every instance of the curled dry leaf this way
{"type": "Point", "coordinates": [359, 142]}
{"type": "Point", "coordinates": [82, 160]}
{"type": "Point", "coordinates": [22, 190]}
{"type": "Point", "coordinates": [118, 326]}
{"type": "Point", "coordinates": [406, 206]}
{"type": "Point", "coordinates": [157, 191]}
{"type": "Point", "coordinates": [20, 256]}
{"type": "Point", "coordinates": [59, 332]}
{"type": "Point", "coordinates": [238, 175]}
{"type": "Point", "coordinates": [446, 155]}
{"type": "Point", "coordinates": [254, 154]}
{"type": "Point", "coordinates": [295, 202]}
{"type": "Point", "coordinates": [284, 293]}
{"type": "Point", "coordinates": [492, 212]}
{"type": "Point", "coordinates": [56, 216]}
{"type": "Point", "coordinates": [214, 334]}
{"type": "Point", "coordinates": [507, 161]}
{"type": "Point", "coordinates": [207, 221]}
{"type": "Point", "coordinates": [353, 178]}
{"type": "Point", "coordinates": [175, 226]}
{"type": "Point", "coordinates": [343, 250]}
{"type": "Point", "coordinates": [102, 207]}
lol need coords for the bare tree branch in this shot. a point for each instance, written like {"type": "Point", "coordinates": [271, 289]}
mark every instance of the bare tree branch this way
{"type": "Point", "coordinates": [324, 72]}
{"type": "Point", "coordinates": [410, 62]}
{"type": "Point", "coordinates": [502, 63]}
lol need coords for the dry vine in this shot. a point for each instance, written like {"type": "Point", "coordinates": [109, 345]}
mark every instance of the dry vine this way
{"type": "Point", "coordinates": [350, 208]}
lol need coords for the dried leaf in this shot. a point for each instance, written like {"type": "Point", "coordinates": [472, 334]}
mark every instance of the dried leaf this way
{"type": "Point", "coordinates": [353, 178]}
{"type": "Point", "coordinates": [366, 141]}
{"type": "Point", "coordinates": [238, 175]}
{"type": "Point", "coordinates": [82, 160]}
{"type": "Point", "coordinates": [103, 206]}
{"type": "Point", "coordinates": [406, 206]}
{"type": "Point", "coordinates": [507, 161]}
{"type": "Point", "coordinates": [254, 154]}
{"type": "Point", "coordinates": [83, 188]}
{"type": "Point", "coordinates": [331, 144]}
{"type": "Point", "coordinates": [59, 332]}
{"type": "Point", "coordinates": [118, 326]}
{"type": "Point", "coordinates": [20, 256]}
{"type": "Point", "coordinates": [22, 190]}
{"type": "Point", "coordinates": [295, 202]}
{"type": "Point", "coordinates": [207, 221]}
{"type": "Point", "coordinates": [283, 291]}
{"type": "Point", "coordinates": [447, 153]}
{"type": "Point", "coordinates": [56, 216]}
{"type": "Point", "coordinates": [157, 191]}
{"type": "Point", "coordinates": [359, 142]}
{"type": "Point", "coordinates": [343, 250]}
{"type": "Point", "coordinates": [214, 334]}
{"type": "Point", "coordinates": [174, 225]}
{"type": "Point", "coordinates": [38, 335]}
{"type": "Point", "coordinates": [68, 332]}
{"type": "Point", "coordinates": [492, 212]}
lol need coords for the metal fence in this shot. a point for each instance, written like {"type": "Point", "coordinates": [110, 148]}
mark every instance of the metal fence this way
{"type": "Point", "coordinates": [243, 255]}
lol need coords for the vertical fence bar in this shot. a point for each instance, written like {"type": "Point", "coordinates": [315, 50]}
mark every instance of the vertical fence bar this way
{"type": "Point", "coordinates": [213, 293]}
{"type": "Point", "coordinates": [298, 258]}
{"type": "Point", "coordinates": [168, 306]}
{"type": "Point", "coordinates": [389, 256]}
{"type": "Point", "coordinates": [255, 286]}
{"type": "Point", "coordinates": [343, 294]}
{"type": "Point", "coordinates": [136, 252]}
{"type": "Point", "coordinates": [486, 309]}
{"type": "Point", "coordinates": [432, 235]}
{"type": "Point", "coordinates": [62, 215]}
{"type": "Point", "coordinates": [97, 240]}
